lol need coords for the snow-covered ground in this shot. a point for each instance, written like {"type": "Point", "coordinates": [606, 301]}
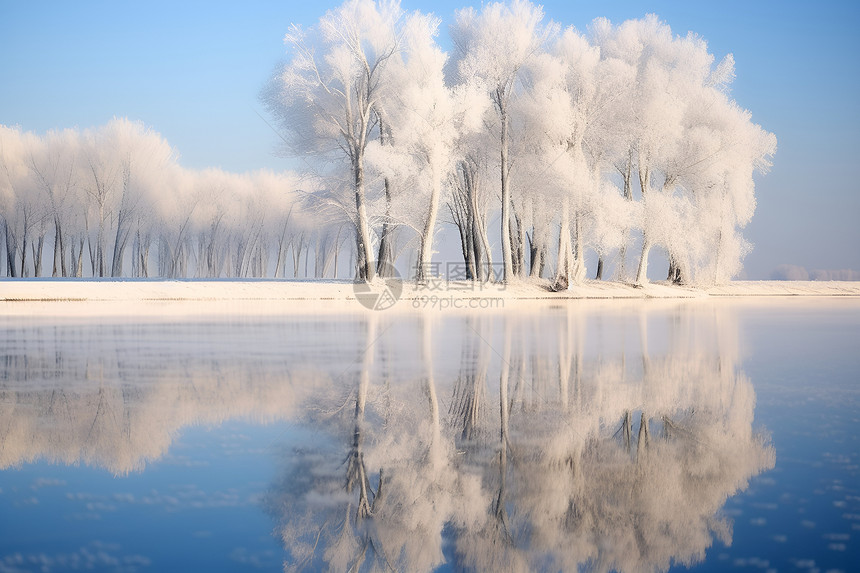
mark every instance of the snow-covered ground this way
{"type": "Point", "coordinates": [42, 297]}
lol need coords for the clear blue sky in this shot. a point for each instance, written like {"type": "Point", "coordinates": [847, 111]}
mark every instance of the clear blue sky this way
{"type": "Point", "coordinates": [192, 71]}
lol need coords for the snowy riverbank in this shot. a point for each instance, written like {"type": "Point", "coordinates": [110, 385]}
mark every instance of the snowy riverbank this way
{"type": "Point", "coordinates": [42, 297]}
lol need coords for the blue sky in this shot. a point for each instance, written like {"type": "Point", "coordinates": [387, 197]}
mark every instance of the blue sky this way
{"type": "Point", "coordinates": [192, 71]}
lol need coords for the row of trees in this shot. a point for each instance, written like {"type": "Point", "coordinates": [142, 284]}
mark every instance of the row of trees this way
{"type": "Point", "coordinates": [113, 201]}
{"type": "Point", "coordinates": [614, 141]}
{"type": "Point", "coordinates": [623, 134]}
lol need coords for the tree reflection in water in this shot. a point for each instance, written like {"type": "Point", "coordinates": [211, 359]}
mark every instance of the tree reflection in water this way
{"type": "Point", "coordinates": [591, 460]}
{"type": "Point", "coordinates": [584, 437]}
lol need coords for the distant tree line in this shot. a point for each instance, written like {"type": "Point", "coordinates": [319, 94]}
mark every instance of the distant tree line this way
{"type": "Point", "coordinates": [113, 202]}
{"type": "Point", "coordinates": [614, 141]}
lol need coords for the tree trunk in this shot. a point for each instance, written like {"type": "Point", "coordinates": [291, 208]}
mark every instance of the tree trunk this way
{"type": "Point", "coordinates": [642, 272]}
{"type": "Point", "coordinates": [366, 268]}
{"type": "Point", "coordinates": [507, 257]}
{"type": "Point", "coordinates": [282, 246]}
{"type": "Point", "coordinates": [144, 255]}
{"type": "Point", "coordinates": [24, 247]}
{"type": "Point", "coordinates": [564, 271]}
{"type": "Point", "coordinates": [674, 274]}
{"type": "Point", "coordinates": [469, 248]}
{"type": "Point", "coordinates": [621, 272]}
{"type": "Point", "coordinates": [459, 209]}
{"type": "Point", "coordinates": [3, 264]}
{"type": "Point", "coordinates": [517, 243]}
{"type": "Point", "coordinates": [718, 256]}
{"type": "Point", "coordinates": [538, 241]}
{"type": "Point", "coordinates": [59, 261]}
{"type": "Point", "coordinates": [645, 185]}
{"type": "Point", "coordinates": [535, 256]}
{"type": "Point", "coordinates": [544, 256]}
{"type": "Point", "coordinates": [91, 249]}
{"type": "Point", "coordinates": [297, 254]}
{"type": "Point", "coordinates": [119, 250]}
{"type": "Point", "coordinates": [10, 251]}
{"type": "Point", "coordinates": [426, 253]}
{"type": "Point", "coordinates": [79, 264]}
{"type": "Point", "coordinates": [38, 248]}
{"type": "Point", "coordinates": [307, 255]}
{"type": "Point", "coordinates": [480, 241]}
{"type": "Point", "coordinates": [627, 176]}
{"type": "Point", "coordinates": [100, 245]}
{"type": "Point", "coordinates": [337, 249]}
{"type": "Point", "coordinates": [385, 258]}
{"type": "Point", "coordinates": [578, 250]}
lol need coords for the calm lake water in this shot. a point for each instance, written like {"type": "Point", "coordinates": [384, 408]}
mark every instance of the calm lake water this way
{"type": "Point", "coordinates": [599, 436]}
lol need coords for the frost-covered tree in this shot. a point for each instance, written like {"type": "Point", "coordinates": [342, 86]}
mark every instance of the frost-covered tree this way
{"type": "Point", "coordinates": [53, 167]}
{"type": "Point", "coordinates": [562, 105]}
{"type": "Point", "coordinates": [492, 46]}
{"type": "Point", "coordinates": [469, 205]}
{"type": "Point", "coordinates": [425, 120]}
{"type": "Point", "coordinates": [677, 117]}
{"type": "Point", "coordinates": [724, 189]}
{"type": "Point", "coordinates": [13, 182]}
{"type": "Point", "coordinates": [25, 205]}
{"type": "Point", "coordinates": [101, 181]}
{"type": "Point", "coordinates": [143, 157]}
{"type": "Point", "coordinates": [325, 98]}
{"type": "Point", "coordinates": [121, 160]}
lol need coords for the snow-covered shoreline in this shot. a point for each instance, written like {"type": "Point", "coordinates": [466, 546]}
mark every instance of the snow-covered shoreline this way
{"type": "Point", "coordinates": [67, 297]}
{"type": "Point", "coordinates": [20, 290]}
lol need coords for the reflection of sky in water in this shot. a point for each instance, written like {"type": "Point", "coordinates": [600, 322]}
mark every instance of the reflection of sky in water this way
{"type": "Point", "coordinates": [197, 508]}
{"type": "Point", "coordinates": [227, 444]}
{"type": "Point", "coordinates": [805, 513]}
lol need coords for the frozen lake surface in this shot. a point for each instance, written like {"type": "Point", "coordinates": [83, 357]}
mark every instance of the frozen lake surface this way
{"type": "Point", "coordinates": [591, 435]}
